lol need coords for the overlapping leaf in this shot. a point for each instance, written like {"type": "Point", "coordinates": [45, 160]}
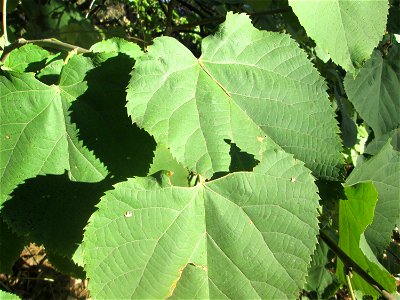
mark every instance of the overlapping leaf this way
{"type": "Point", "coordinates": [248, 85]}
{"type": "Point", "coordinates": [246, 235]}
{"type": "Point", "coordinates": [37, 135]}
{"type": "Point", "coordinates": [375, 92]}
{"type": "Point", "coordinates": [26, 58]}
{"type": "Point", "coordinates": [348, 30]}
{"type": "Point", "coordinates": [355, 214]}
{"type": "Point", "coordinates": [384, 171]}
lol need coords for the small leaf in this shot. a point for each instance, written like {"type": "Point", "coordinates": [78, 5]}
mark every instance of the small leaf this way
{"type": "Point", "coordinates": [8, 296]}
{"type": "Point", "coordinates": [245, 235]}
{"type": "Point", "coordinates": [118, 45]}
{"type": "Point", "coordinates": [163, 160]}
{"type": "Point", "coordinates": [347, 30]}
{"type": "Point", "coordinates": [375, 92]}
{"type": "Point", "coordinates": [29, 57]}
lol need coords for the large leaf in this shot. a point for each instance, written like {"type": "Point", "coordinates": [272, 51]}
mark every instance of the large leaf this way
{"type": "Point", "coordinates": [375, 92]}
{"type": "Point", "coordinates": [384, 171]}
{"type": "Point", "coordinates": [37, 135]}
{"type": "Point", "coordinates": [355, 214]}
{"type": "Point", "coordinates": [246, 85]}
{"type": "Point", "coordinates": [348, 30]}
{"type": "Point", "coordinates": [246, 235]}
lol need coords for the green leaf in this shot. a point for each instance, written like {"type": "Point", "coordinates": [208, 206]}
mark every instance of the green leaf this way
{"type": "Point", "coordinates": [378, 143]}
{"type": "Point", "coordinates": [26, 58]}
{"type": "Point", "coordinates": [37, 135]}
{"type": "Point", "coordinates": [245, 235]}
{"type": "Point", "coordinates": [238, 91]}
{"type": "Point", "coordinates": [384, 171]}
{"type": "Point", "coordinates": [163, 160]}
{"type": "Point", "coordinates": [355, 214]}
{"type": "Point", "coordinates": [8, 296]}
{"type": "Point", "coordinates": [51, 71]}
{"type": "Point", "coordinates": [375, 92]}
{"type": "Point", "coordinates": [347, 30]}
{"type": "Point", "coordinates": [118, 45]}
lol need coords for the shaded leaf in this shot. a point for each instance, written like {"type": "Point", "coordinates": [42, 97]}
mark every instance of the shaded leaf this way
{"type": "Point", "coordinates": [11, 245]}
{"type": "Point", "coordinates": [29, 57]}
{"type": "Point", "coordinates": [320, 280]}
{"type": "Point", "coordinates": [66, 206]}
{"type": "Point", "coordinates": [38, 136]}
{"type": "Point", "coordinates": [246, 235]}
{"type": "Point", "coordinates": [384, 171]}
{"type": "Point", "coordinates": [378, 143]}
{"type": "Point", "coordinates": [100, 112]}
{"type": "Point", "coordinates": [375, 92]}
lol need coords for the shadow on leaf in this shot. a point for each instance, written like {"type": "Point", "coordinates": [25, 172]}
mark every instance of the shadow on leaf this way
{"type": "Point", "coordinates": [103, 123]}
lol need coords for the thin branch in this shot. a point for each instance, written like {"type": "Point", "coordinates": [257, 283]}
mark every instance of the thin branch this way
{"type": "Point", "coordinates": [170, 13]}
{"type": "Point", "coordinates": [350, 263]}
{"type": "Point", "coordinates": [5, 22]}
{"type": "Point", "coordinates": [45, 43]}
{"type": "Point", "coordinates": [219, 19]}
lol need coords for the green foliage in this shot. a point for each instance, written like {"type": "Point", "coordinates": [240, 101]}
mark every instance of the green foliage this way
{"type": "Point", "coordinates": [375, 92]}
{"type": "Point", "coordinates": [355, 214]}
{"type": "Point", "coordinates": [161, 171]}
{"type": "Point", "coordinates": [37, 135]}
{"type": "Point", "coordinates": [8, 296]}
{"type": "Point", "coordinates": [383, 170]}
{"type": "Point", "coordinates": [347, 30]}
